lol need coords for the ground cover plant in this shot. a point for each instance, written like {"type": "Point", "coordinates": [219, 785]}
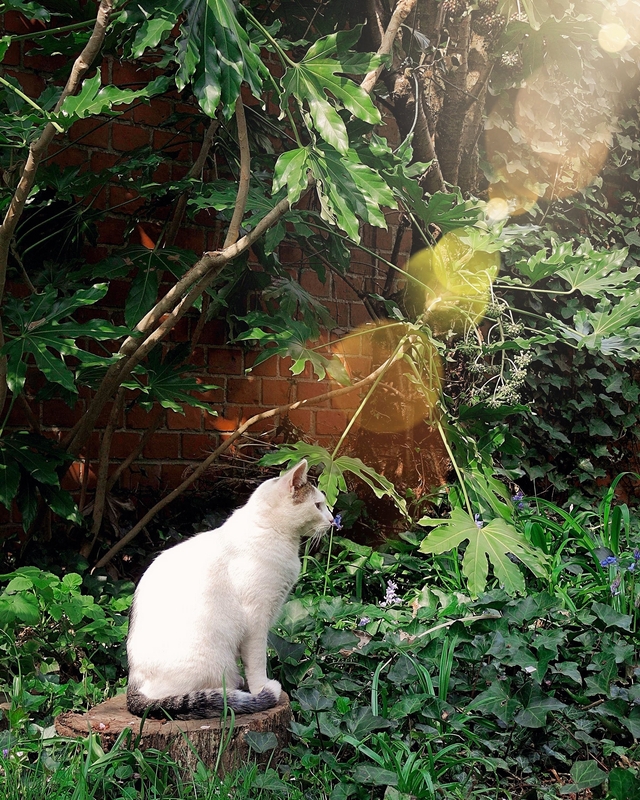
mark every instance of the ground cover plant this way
{"type": "Point", "coordinates": [403, 682]}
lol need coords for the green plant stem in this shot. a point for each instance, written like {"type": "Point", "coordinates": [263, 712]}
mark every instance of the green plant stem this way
{"type": "Point", "coordinates": [365, 400]}
{"type": "Point", "coordinates": [326, 572]}
{"type": "Point", "coordinates": [55, 31]}
{"type": "Point", "coordinates": [454, 463]}
{"type": "Point", "coordinates": [27, 99]}
{"type": "Point", "coordinates": [284, 58]}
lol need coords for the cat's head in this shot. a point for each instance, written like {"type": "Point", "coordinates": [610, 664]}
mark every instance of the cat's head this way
{"type": "Point", "coordinates": [296, 501]}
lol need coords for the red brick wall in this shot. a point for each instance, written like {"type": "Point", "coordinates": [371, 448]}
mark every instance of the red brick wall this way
{"type": "Point", "coordinates": [182, 440]}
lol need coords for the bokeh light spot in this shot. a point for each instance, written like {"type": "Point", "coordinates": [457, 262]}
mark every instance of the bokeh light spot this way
{"type": "Point", "coordinates": [612, 37]}
{"type": "Point", "coordinates": [404, 397]}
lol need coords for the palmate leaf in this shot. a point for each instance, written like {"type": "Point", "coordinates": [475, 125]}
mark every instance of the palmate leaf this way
{"type": "Point", "coordinates": [164, 381]}
{"type": "Point", "coordinates": [612, 329]}
{"type": "Point", "coordinates": [493, 543]}
{"type": "Point", "coordinates": [280, 335]}
{"type": "Point", "coordinates": [42, 334]}
{"type": "Point", "coordinates": [214, 54]}
{"type": "Point", "coordinates": [332, 480]}
{"type": "Point", "coordinates": [594, 273]}
{"type": "Point", "coordinates": [96, 99]}
{"type": "Point", "coordinates": [323, 70]}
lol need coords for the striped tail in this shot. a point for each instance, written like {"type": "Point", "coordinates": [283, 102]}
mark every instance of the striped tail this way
{"type": "Point", "coordinates": [202, 703]}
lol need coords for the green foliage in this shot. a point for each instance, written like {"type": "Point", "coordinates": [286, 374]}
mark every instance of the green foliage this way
{"type": "Point", "coordinates": [496, 541]}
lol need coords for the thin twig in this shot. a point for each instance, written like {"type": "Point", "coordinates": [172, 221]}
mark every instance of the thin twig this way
{"type": "Point", "coordinates": [133, 455]}
{"type": "Point", "coordinates": [103, 474]}
{"type": "Point", "coordinates": [195, 172]}
{"type": "Point", "coordinates": [272, 412]}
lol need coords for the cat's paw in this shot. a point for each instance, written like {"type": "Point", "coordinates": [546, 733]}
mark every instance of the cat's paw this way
{"type": "Point", "coordinates": [274, 688]}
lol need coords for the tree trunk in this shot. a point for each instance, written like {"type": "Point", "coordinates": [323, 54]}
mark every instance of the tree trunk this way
{"type": "Point", "coordinates": [186, 741]}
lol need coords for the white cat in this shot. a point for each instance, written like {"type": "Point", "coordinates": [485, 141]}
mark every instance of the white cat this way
{"type": "Point", "coordinates": [213, 598]}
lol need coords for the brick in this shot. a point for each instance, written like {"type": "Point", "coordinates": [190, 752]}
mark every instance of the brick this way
{"type": "Point", "coordinates": [180, 331]}
{"type": "Point", "coordinates": [225, 361]}
{"type": "Point", "coordinates": [58, 414]}
{"type": "Point", "coordinates": [13, 22]}
{"type": "Point", "coordinates": [128, 137]}
{"type": "Point", "coordinates": [214, 332]}
{"type": "Point", "coordinates": [243, 390]}
{"type": "Point", "coordinates": [172, 475]}
{"type": "Point", "coordinates": [191, 239]}
{"type": "Point", "coordinates": [124, 443]}
{"type": "Point", "coordinates": [137, 417]}
{"type": "Point", "coordinates": [290, 254]}
{"type": "Point", "coordinates": [103, 418]}
{"type": "Point", "coordinates": [103, 161]}
{"type": "Point", "coordinates": [213, 396]}
{"type": "Point", "coordinates": [284, 365]}
{"type": "Point", "coordinates": [32, 85]}
{"type": "Point", "coordinates": [301, 418]}
{"type": "Point", "coordinates": [41, 63]}
{"type": "Point", "coordinates": [205, 217]}
{"type": "Point", "coordinates": [172, 144]}
{"type": "Point", "coordinates": [276, 392]}
{"type": "Point", "coordinates": [191, 419]}
{"type": "Point", "coordinates": [70, 157]}
{"type": "Point", "coordinates": [307, 390]}
{"type": "Point", "coordinates": [268, 368]}
{"type": "Point", "coordinates": [125, 74]}
{"type": "Point", "coordinates": [144, 475]}
{"type": "Point", "coordinates": [358, 315]}
{"type": "Point", "coordinates": [92, 132]}
{"type": "Point", "coordinates": [153, 114]}
{"type": "Point", "coordinates": [162, 173]}
{"type": "Point", "coordinates": [330, 421]}
{"type": "Point", "coordinates": [197, 445]}
{"type": "Point", "coordinates": [343, 292]}
{"type": "Point", "coordinates": [111, 230]}
{"type": "Point", "coordinates": [12, 56]}
{"type": "Point", "coordinates": [162, 445]}
{"type": "Point", "coordinates": [312, 283]}
{"type": "Point", "coordinates": [126, 200]}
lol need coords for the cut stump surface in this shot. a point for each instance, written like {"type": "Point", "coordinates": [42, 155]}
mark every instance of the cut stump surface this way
{"type": "Point", "coordinates": [180, 738]}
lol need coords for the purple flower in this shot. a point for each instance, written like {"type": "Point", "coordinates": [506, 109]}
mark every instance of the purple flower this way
{"type": "Point", "coordinates": [364, 621]}
{"type": "Point", "coordinates": [608, 561]}
{"type": "Point", "coordinates": [636, 554]}
{"type": "Point", "coordinates": [517, 499]}
{"type": "Point", "coordinates": [632, 567]}
{"type": "Point", "coordinates": [391, 598]}
{"type": "Point", "coordinates": [615, 586]}
{"type": "Point", "coordinates": [5, 752]}
{"type": "Point", "coordinates": [337, 522]}
{"type": "Point", "coordinates": [478, 521]}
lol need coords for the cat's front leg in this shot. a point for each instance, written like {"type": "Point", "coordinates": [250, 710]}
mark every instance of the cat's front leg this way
{"type": "Point", "coordinates": [253, 652]}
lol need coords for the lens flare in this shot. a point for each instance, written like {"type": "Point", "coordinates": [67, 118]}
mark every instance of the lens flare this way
{"type": "Point", "coordinates": [613, 37]}
{"type": "Point", "coordinates": [539, 156]}
{"type": "Point", "coordinates": [407, 393]}
{"type": "Point", "coordinates": [456, 279]}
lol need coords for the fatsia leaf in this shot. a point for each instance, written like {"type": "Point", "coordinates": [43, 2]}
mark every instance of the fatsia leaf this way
{"type": "Point", "coordinates": [215, 54]}
{"type": "Point", "coordinates": [610, 329]}
{"type": "Point", "coordinates": [143, 293]}
{"type": "Point", "coordinates": [323, 70]}
{"type": "Point", "coordinates": [593, 273]}
{"type": "Point", "coordinates": [94, 99]}
{"type": "Point", "coordinates": [332, 480]}
{"type": "Point", "coordinates": [348, 190]}
{"type": "Point", "coordinates": [493, 542]}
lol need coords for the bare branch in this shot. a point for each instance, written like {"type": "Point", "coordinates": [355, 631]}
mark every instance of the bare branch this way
{"type": "Point", "coordinates": [177, 304]}
{"type": "Point", "coordinates": [137, 450]}
{"type": "Point", "coordinates": [401, 12]}
{"type": "Point", "coordinates": [245, 175]}
{"type": "Point", "coordinates": [272, 412]}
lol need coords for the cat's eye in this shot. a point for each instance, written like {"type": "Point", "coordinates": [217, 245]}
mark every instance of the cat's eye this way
{"type": "Point", "coordinates": [319, 506]}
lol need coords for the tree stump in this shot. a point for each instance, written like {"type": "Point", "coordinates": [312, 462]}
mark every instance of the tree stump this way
{"type": "Point", "coordinates": [186, 741]}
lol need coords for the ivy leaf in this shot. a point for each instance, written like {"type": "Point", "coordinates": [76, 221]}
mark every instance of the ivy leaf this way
{"type": "Point", "coordinates": [496, 700]}
{"type": "Point", "coordinates": [493, 542]}
{"type": "Point", "coordinates": [585, 775]}
{"type": "Point", "coordinates": [534, 714]}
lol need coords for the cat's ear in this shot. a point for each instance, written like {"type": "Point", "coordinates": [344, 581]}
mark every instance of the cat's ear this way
{"type": "Point", "coordinates": [297, 476]}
